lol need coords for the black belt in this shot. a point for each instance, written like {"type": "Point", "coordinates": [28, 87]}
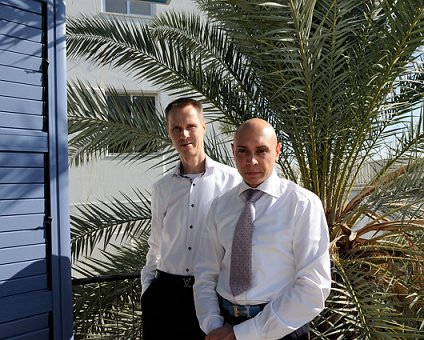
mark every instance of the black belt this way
{"type": "Point", "coordinates": [177, 280]}
{"type": "Point", "coordinates": [248, 311]}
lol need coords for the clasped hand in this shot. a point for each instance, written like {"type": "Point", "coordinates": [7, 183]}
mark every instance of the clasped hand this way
{"type": "Point", "coordinates": [225, 332]}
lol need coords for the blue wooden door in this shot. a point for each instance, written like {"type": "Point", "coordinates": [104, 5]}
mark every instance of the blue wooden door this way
{"type": "Point", "coordinates": [34, 257]}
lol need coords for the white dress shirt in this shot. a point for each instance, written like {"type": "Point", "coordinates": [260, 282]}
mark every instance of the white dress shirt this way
{"type": "Point", "coordinates": [290, 260]}
{"type": "Point", "coordinates": [179, 209]}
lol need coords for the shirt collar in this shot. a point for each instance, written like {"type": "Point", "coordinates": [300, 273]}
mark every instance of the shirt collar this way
{"type": "Point", "coordinates": [271, 185]}
{"type": "Point", "coordinates": [210, 165]}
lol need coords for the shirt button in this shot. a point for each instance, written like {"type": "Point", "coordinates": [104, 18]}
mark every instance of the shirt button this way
{"type": "Point", "coordinates": [189, 248]}
{"type": "Point", "coordinates": [187, 270]}
{"type": "Point", "coordinates": [192, 205]}
{"type": "Point", "coordinates": [191, 227]}
{"type": "Point", "coordinates": [194, 184]}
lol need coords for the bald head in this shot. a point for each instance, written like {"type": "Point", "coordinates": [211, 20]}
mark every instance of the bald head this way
{"type": "Point", "coordinates": [257, 126]}
{"type": "Point", "coordinates": [255, 150]}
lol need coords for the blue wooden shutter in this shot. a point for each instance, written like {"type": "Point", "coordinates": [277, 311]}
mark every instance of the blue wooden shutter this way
{"type": "Point", "coordinates": [34, 259]}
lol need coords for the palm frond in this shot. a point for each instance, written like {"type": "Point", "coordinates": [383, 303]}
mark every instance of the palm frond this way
{"type": "Point", "coordinates": [100, 120]}
{"type": "Point", "coordinates": [217, 147]}
{"type": "Point", "coordinates": [120, 219]}
{"type": "Point", "coordinates": [366, 301]}
{"type": "Point", "coordinates": [125, 258]}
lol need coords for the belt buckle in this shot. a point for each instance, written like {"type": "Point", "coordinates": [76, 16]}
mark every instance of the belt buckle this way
{"type": "Point", "coordinates": [241, 311]}
{"type": "Point", "coordinates": [236, 311]}
{"type": "Point", "coordinates": [244, 311]}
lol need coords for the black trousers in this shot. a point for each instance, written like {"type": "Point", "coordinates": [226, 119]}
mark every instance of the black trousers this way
{"type": "Point", "coordinates": [169, 313]}
{"type": "Point", "coordinates": [301, 333]}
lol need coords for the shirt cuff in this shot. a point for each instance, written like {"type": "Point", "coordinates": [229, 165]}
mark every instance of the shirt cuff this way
{"type": "Point", "coordinates": [247, 331]}
{"type": "Point", "coordinates": [145, 285]}
{"type": "Point", "coordinates": [213, 322]}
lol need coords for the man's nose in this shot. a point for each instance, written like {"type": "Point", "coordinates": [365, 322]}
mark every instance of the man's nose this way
{"type": "Point", "coordinates": [184, 133]}
{"type": "Point", "coordinates": [251, 159]}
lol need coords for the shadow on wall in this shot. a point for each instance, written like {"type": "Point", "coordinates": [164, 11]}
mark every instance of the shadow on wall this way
{"type": "Point", "coordinates": [29, 306]}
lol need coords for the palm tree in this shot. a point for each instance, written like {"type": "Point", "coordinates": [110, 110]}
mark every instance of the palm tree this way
{"type": "Point", "coordinates": [341, 81]}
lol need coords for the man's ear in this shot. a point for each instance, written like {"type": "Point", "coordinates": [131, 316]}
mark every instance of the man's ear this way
{"type": "Point", "coordinates": [232, 148]}
{"type": "Point", "coordinates": [278, 151]}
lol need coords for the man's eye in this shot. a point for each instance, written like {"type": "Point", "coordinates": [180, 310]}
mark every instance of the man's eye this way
{"type": "Point", "coordinates": [241, 151]}
{"type": "Point", "coordinates": [175, 129]}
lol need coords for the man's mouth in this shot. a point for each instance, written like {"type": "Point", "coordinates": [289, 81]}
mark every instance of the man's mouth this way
{"type": "Point", "coordinates": [251, 173]}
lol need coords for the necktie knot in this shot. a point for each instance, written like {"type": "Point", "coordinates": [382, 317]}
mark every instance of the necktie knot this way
{"type": "Point", "coordinates": [252, 195]}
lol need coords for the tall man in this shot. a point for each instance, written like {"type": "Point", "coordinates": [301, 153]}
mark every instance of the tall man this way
{"type": "Point", "coordinates": [180, 202]}
{"type": "Point", "coordinates": [282, 280]}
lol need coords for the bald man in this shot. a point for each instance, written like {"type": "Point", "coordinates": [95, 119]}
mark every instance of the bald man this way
{"type": "Point", "coordinates": [271, 288]}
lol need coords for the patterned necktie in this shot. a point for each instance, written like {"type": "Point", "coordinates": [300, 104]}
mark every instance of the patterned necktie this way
{"type": "Point", "coordinates": [241, 253]}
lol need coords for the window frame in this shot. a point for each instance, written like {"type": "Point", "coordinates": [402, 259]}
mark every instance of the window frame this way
{"type": "Point", "coordinates": [153, 10]}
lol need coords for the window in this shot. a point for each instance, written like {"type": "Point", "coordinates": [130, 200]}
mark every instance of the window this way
{"type": "Point", "coordinates": [129, 7]}
{"type": "Point", "coordinates": [134, 104]}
